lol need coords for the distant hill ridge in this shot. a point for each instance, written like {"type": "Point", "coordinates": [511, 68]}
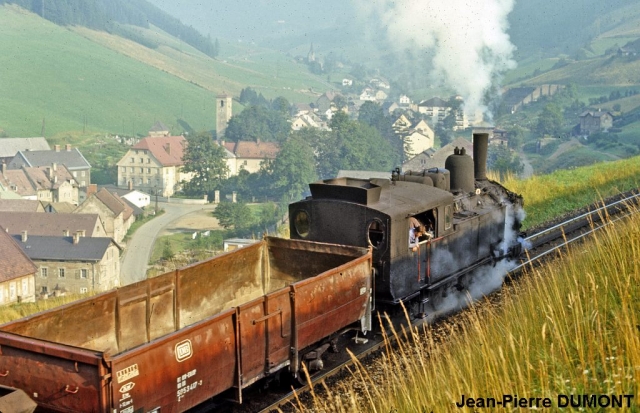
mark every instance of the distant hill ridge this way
{"type": "Point", "coordinates": [110, 15]}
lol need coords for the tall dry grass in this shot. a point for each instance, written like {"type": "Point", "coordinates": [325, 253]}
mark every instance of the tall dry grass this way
{"type": "Point", "coordinates": [568, 327]}
{"type": "Point", "coordinates": [16, 311]}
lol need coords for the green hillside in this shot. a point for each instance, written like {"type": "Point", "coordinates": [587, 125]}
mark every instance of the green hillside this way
{"type": "Point", "coordinates": [78, 79]}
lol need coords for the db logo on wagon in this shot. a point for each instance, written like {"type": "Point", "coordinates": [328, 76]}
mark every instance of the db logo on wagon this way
{"type": "Point", "coordinates": [183, 350]}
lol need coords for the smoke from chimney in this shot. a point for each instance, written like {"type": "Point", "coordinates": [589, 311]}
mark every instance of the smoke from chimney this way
{"type": "Point", "coordinates": [466, 42]}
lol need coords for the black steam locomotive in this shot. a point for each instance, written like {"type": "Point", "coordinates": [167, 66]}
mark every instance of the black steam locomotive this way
{"type": "Point", "coordinates": [470, 222]}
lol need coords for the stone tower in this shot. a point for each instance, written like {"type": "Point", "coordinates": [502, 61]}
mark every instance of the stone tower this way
{"type": "Point", "coordinates": [223, 113]}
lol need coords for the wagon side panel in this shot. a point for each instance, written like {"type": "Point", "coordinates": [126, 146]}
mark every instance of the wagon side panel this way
{"type": "Point", "coordinates": [331, 301]}
{"type": "Point", "coordinates": [180, 370]}
{"type": "Point", "coordinates": [57, 377]}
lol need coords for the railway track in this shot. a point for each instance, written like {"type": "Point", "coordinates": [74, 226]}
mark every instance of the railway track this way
{"type": "Point", "coordinates": [540, 246]}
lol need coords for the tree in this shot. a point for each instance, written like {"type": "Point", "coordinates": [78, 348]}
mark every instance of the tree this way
{"type": "Point", "coordinates": [206, 160]}
{"type": "Point", "coordinates": [550, 120]}
{"type": "Point", "coordinates": [325, 149]}
{"type": "Point", "coordinates": [293, 168]}
{"type": "Point", "coordinates": [444, 129]}
{"type": "Point", "coordinates": [516, 137]}
{"type": "Point", "coordinates": [233, 215]}
{"type": "Point", "coordinates": [502, 160]}
{"type": "Point", "coordinates": [370, 113]}
{"type": "Point", "coordinates": [258, 122]}
{"type": "Point", "coordinates": [167, 251]}
{"type": "Point", "coordinates": [281, 105]}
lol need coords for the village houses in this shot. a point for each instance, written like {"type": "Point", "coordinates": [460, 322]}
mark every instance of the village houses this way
{"type": "Point", "coordinates": [11, 146]}
{"type": "Point", "coordinates": [154, 164]}
{"type": "Point", "coordinates": [114, 213]}
{"type": "Point", "coordinates": [54, 183]}
{"type": "Point", "coordinates": [70, 157]}
{"type": "Point", "coordinates": [249, 155]}
{"type": "Point", "coordinates": [17, 272]}
{"type": "Point", "coordinates": [73, 264]}
{"type": "Point", "coordinates": [60, 224]}
{"type": "Point", "coordinates": [595, 121]}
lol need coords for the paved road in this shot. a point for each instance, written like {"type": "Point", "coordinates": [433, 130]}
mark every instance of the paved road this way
{"type": "Point", "coordinates": [134, 262]}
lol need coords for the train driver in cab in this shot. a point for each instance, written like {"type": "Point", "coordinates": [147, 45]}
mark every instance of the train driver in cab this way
{"type": "Point", "coordinates": [416, 230]}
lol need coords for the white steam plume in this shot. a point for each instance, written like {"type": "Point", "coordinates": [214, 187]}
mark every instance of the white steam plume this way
{"type": "Point", "coordinates": [468, 40]}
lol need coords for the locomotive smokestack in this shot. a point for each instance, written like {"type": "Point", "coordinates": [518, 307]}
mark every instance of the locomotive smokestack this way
{"type": "Point", "coordinates": [480, 145]}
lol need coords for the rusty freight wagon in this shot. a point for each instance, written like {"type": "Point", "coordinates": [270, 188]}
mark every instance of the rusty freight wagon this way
{"type": "Point", "coordinates": [170, 343]}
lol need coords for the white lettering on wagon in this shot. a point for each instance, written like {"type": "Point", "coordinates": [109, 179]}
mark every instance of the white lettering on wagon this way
{"type": "Point", "coordinates": [127, 373]}
{"type": "Point", "coordinates": [184, 387]}
{"type": "Point", "coordinates": [183, 350]}
{"type": "Point", "coordinates": [127, 387]}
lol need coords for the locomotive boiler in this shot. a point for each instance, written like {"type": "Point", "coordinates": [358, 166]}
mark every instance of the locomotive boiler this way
{"type": "Point", "coordinates": [472, 222]}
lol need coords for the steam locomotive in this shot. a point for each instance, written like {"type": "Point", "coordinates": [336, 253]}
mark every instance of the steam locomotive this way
{"type": "Point", "coordinates": [474, 222]}
{"type": "Point", "coordinates": [214, 328]}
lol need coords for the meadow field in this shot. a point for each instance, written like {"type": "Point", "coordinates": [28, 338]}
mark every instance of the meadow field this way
{"type": "Point", "coordinates": [74, 79]}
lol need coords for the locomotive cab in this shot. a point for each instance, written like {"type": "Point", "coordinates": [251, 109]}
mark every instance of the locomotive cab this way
{"type": "Point", "coordinates": [470, 222]}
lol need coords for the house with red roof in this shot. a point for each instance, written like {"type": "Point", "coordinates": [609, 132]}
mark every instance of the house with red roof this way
{"type": "Point", "coordinates": [154, 164]}
{"type": "Point", "coordinates": [249, 155]}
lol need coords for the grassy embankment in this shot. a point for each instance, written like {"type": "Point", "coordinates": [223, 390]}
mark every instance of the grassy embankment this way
{"type": "Point", "coordinates": [548, 196]}
{"type": "Point", "coordinates": [570, 327]}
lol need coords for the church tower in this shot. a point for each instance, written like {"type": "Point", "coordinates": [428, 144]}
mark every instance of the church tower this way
{"type": "Point", "coordinates": [223, 113]}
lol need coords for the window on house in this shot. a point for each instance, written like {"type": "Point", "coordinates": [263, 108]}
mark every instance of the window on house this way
{"type": "Point", "coordinates": [141, 170]}
{"type": "Point", "coordinates": [75, 174]}
{"type": "Point", "coordinates": [83, 290]}
{"type": "Point", "coordinates": [148, 160]}
{"type": "Point", "coordinates": [44, 272]}
{"type": "Point", "coordinates": [60, 272]}
{"type": "Point", "coordinates": [25, 287]}
{"type": "Point", "coordinates": [83, 183]}
{"type": "Point", "coordinates": [148, 170]}
{"type": "Point", "coordinates": [83, 273]}
{"type": "Point", "coordinates": [245, 162]}
{"type": "Point", "coordinates": [133, 160]}
{"type": "Point", "coordinates": [12, 291]}
{"type": "Point", "coordinates": [148, 181]}
{"type": "Point", "coordinates": [82, 173]}
{"type": "Point", "coordinates": [131, 169]}
{"type": "Point", "coordinates": [141, 160]}
{"type": "Point", "coordinates": [44, 289]}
